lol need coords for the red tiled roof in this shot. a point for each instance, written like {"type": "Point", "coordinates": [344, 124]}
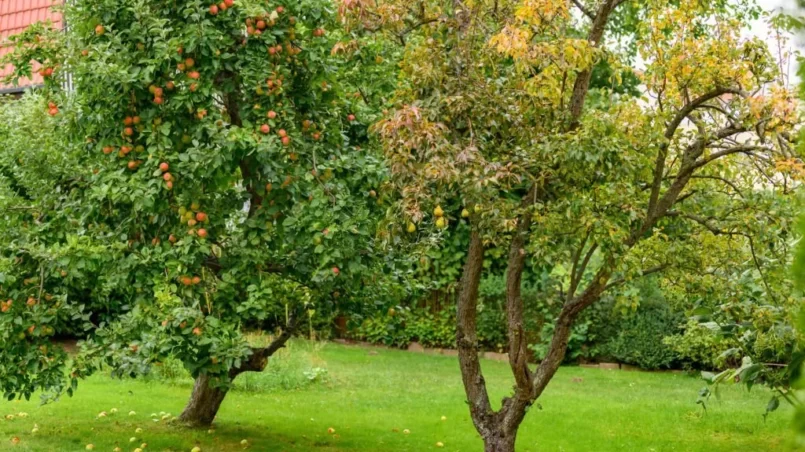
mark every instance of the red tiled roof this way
{"type": "Point", "coordinates": [15, 16]}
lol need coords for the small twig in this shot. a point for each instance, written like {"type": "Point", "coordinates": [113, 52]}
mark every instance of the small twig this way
{"type": "Point", "coordinates": [41, 282]}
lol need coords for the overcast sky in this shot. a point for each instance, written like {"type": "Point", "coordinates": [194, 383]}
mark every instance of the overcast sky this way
{"type": "Point", "coordinates": [761, 29]}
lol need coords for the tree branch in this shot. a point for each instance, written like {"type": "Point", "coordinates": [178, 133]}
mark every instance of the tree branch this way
{"type": "Point", "coordinates": [721, 179]}
{"type": "Point", "coordinates": [574, 282]}
{"type": "Point", "coordinates": [670, 131]}
{"type": "Point", "coordinates": [705, 222]}
{"type": "Point", "coordinates": [646, 272]}
{"type": "Point", "coordinates": [584, 9]}
{"type": "Point", "coordinates": [467, 339]}
{"type": "Point", "coordinates": [582, 84]}
{"type": "Point", "coordinates": [518, 343]}
{"type": "Point", "coordinates": [683, 113]}
{"type": "Point", "coordinates": [577, 256]}
{"type": "Point", "coordinates": [259, 358]}
{"type": "Point", "coordinates": [733, 150]}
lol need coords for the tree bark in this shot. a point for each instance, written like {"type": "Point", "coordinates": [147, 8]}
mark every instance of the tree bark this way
{"type": "Point", "coordinates": [204, 403]}
{"type": "Point", "coordinates": [467, 339]}
{"type": "Point", "coordinates": [207, 397]}
{"type": "Point", "coordinates": [500, 442]}
{"type": "Point", "coordinates": [518, 344]}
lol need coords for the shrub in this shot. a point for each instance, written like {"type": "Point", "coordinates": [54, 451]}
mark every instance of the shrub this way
{"type": "Point", "coordinates": [387, 328]}
{"type": "Point", "coordinates": [700, 345]}
{"type": "Point", "coordinates": [432, 329]}
{"type": "Point", "coordinates": [640, 337]}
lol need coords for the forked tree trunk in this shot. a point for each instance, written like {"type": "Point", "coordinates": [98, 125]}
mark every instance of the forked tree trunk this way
{"type": "Point", "coordinates": [204, 403]}
{"type": "Point", "coordinates": [498, 429]}
{"type": "Point", "coordinates": [207, 397]}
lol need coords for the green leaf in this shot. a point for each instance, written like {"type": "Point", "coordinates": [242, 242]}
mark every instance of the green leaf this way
{"type": "Point", "coordinates": [773, 404]}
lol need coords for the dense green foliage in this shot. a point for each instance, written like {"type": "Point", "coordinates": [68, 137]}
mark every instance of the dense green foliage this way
{"type": "Point", "coordinates": [639, 340]}
{"type": "Point", "coordinates": [212, 170]}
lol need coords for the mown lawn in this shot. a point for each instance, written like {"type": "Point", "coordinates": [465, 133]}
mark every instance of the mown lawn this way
{"type": "Point", "coordinates": [372, 397]}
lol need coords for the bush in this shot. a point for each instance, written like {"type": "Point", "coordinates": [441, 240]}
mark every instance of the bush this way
{"type": "Point", "coordinates": [432, 329]}
{"type": "Point", "coordinates": [700, 345]}
{"type": "Point", "coordinates": [640, 338]}
{"type": "Point", "coordinates": [576, 344]}
{"type": "Point", "coordinates": [492, 331]}
{"type": "Point", "coordinates": [398, 327]}
{"type": "Point", "coordinates": [387, 328]}
{"type": "Point", "coordinates": [492, 324]}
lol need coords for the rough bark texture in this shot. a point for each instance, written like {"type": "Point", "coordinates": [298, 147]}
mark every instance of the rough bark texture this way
{"type": "Point", "coordinates": [582, 84]}
{"type": "Point", "coordinates": [467, 339]}
{"type": "Point", "coordinates": [518, 345]}
{"type": "Point", "coordinates": [204, 403]}
{"type": "Point", "coordinates": [500, 443]}
{"type": "Point", "coordinates": [207, 397]}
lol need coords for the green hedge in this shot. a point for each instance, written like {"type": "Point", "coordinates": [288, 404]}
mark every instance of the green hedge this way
{"type": "Point", "coordinates": [604, 332]}
{"type": "Point", "coordinates": [640, 336]}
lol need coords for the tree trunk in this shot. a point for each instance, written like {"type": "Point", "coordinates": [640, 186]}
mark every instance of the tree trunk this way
{"type": "Point", "coordinates": [467, 340]}
{"type": "Point", "coordinates": [499, 442]}
{"type": "Point", "coordinates": [206, 399]}
{"type": "Point", "coordinates": [203, 404]}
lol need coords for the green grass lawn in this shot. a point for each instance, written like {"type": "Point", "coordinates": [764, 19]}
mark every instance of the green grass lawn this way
{"type": "Point", "coordinates": [371, 397]}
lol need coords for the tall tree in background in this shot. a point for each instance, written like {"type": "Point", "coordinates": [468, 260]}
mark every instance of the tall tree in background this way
{"type": "Point", "coordinates": [495, 114]}
{"type": "Point", "coordinates": [224, 178]}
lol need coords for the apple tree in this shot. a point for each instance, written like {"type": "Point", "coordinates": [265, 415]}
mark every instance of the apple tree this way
{"type": "Point", "coordinates": [495, 112]}
{"type": "Point", "coordinates": [227, 164]}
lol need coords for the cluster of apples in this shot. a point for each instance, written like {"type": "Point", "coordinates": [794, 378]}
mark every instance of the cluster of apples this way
{"type": "Point", "coordinates": [310, 126]}
{"type": "Point", "coordinates": [223, 6]}
{"type": "Point", "coordinates": [273, 83]}
{"type": "Point", "coordinates": [190, 280]}
{"type": "Point", "coordinates": [265, 129]}
{"type": "Point", "coordinates": [159, 93]}
{"type": "Point", "coordinates": [441, 221]}
{"type": "Point", "coordinates": [194, 217]}
{"type": "Point", "coordinates": [5, 306]}
{"type": "Point", "coordinates": [46, 72]}
{"type": "Point", "coordinates": [256, 25]}
{"type": "Point", "coordinates": [53, 109]}
{"type": "Point", "coordinates": [186, 66]}
{"type": "Point", "coordinates": [164, 168]}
